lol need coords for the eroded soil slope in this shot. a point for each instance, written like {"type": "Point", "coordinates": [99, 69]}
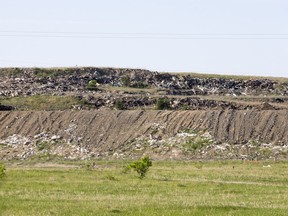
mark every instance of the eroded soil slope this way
{"type": "Point", "coordinates": [130, 133]}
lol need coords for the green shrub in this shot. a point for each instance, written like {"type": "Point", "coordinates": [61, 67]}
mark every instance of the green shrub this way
{"type": "Point", "coordinates": [2, 170]}
{"type": "Point", "coordinates": [125, 81]}
{"type": "Point", "coordinates": [119, 105]}
{"type": "Point", "coordinates": [162, 104]}
{"type": "Point", "coordinates": [141, 166]}
{"type": "Point", "coordinates": [92, 85]}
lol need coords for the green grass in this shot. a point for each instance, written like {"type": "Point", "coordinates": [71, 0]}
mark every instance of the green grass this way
{"type": "Point", "coordinates": [170, 188]}
{"type": "Point", "coordinates": [42, 102]}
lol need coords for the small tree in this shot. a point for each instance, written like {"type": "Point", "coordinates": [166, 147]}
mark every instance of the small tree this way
{"type": "Point", "coordinates": [141, 166]}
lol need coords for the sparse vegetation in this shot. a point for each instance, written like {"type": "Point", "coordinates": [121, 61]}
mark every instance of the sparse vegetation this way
{"type": "Point", "coordinates": [51, 72]}
{"type": "Point", "coordinates": [130, 89]}
{"type": "Point", "coordinates": [236, 77]}
{"type": "Point", "coordinates": [265, 153]}
{"type": "Point", "coordinates": [43, 145]}
{"type": "Point", "coordinates": [139, 85]}
{"type": "Point", "coordinates": [254, 143]}
{"type": "Point", "coordinates": [192, 131]}
{"type": "Point", "coordinates": [197, 143]}
{"type": "Point", "coordinates": [10, 72]}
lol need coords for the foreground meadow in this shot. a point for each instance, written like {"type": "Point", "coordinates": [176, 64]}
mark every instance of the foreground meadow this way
{"type": "Point", "coordinates": [170, 188]}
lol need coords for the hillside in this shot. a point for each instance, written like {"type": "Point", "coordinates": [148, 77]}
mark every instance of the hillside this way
{"type": "Point", "coordinates": [128, 134]}
{"type": "Point", "coordinates": [60, 112]}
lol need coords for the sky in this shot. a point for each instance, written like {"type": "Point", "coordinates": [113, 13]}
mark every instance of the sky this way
{"type": "Point", "coordinates": [240, 37]}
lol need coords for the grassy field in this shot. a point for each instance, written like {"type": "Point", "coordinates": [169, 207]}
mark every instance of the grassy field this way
{"type": "Point", "coordinates": [170, 188]}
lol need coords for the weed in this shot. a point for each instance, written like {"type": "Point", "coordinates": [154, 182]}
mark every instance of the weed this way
{"type": "Point", "coordinates": [126, 169]}
{"type": "Point", "coordinates": [89, 165]}
{"type": "Point", "coordinates": [2, 170]}
{"type": "Point", "coordinates": [111, 177]}
{"type": "Point", "coordinates": [199, 165]}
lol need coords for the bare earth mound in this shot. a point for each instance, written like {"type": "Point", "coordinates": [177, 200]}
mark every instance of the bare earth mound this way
{"type": "Point", "coordinates": [164, 134]}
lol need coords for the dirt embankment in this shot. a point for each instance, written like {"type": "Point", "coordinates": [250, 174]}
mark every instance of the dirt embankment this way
{"type": "Point", "coordinates": [101, 132]}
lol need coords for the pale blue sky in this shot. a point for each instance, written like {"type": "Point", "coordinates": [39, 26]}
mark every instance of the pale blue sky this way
{"type": "Point", "coordinates": [248, 37]}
